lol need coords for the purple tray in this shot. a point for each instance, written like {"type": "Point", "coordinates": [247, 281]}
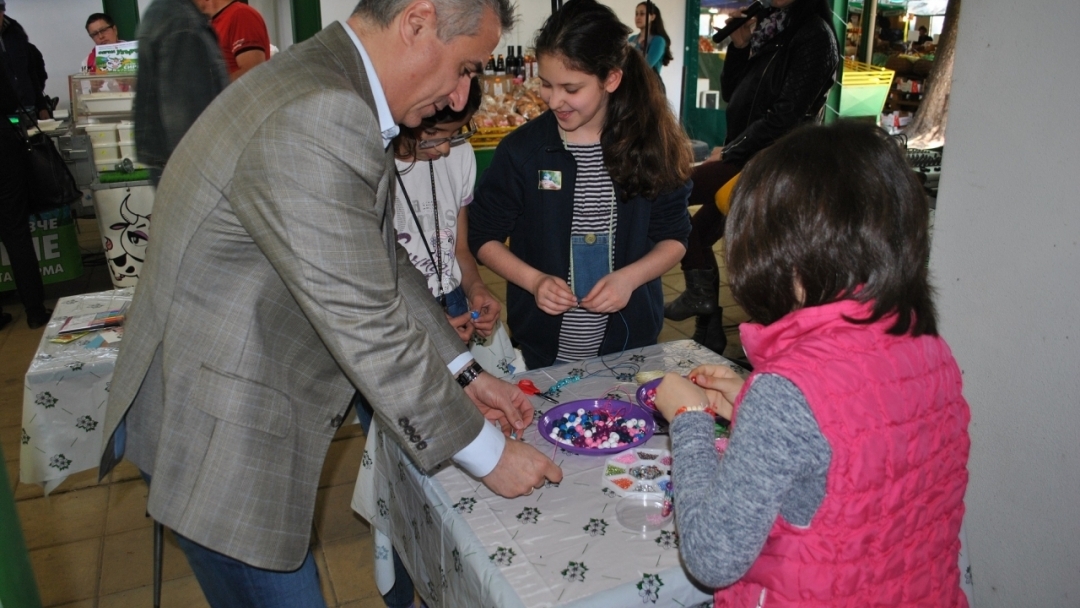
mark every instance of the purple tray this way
{"type": "Point", "coordinates": [547, 421]}
{"type": "Point", "coordinates": [643, 400]}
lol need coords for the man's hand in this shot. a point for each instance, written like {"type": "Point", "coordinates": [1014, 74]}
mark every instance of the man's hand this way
{"type": "Point", "coordinates": [553, 295]}
{"type": "Point", "coordinates": [463, 325]}
{"type": "Point", "coordinates": [501, 401]}
{"type": "Point", "coordinates": [521, 470]}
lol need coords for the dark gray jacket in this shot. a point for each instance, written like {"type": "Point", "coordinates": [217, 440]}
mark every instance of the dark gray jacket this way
{"type": "Point", "coordinates": [783, 86]}
{"type": "Point", "coordinates": [181, 71]}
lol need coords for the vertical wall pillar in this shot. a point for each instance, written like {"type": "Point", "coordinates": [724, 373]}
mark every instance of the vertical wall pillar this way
{"type": "Point", "coordinates": [306, 18]}
{"type": "Point", "coordinates": [126, 15]}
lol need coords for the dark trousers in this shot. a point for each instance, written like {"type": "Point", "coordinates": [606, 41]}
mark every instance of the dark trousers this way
{"type": "Point", "coordinates": [707, 225]}
{"type": "Point", "coordinates": [15, 221]}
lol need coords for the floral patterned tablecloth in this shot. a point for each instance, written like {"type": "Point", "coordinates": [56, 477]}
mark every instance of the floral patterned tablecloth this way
{"type": "Point", "coordinates": [563, 545]}
{"type": "Point", "coordinates": [64, 395]}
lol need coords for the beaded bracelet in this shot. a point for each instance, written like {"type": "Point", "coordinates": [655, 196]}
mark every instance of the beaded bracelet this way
{"type": "Point", "coordinates": [701, 407]}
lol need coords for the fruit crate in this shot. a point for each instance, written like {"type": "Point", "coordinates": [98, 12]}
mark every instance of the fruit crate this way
{"type": "Point", "coordinates": [489, 137]}
{"type": "Point", "coordinates": [863, 89]}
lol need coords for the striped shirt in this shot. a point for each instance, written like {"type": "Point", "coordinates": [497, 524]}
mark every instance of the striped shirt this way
{"type": "Point", "coordinates": [582, 331]}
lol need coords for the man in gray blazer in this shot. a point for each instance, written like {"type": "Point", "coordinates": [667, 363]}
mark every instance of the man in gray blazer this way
{"type": "Point", "coordinates": [273, 286]}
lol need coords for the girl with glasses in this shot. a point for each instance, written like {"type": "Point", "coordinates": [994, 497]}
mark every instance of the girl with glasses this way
{"type": "Point", "coordinates": [435, 176]}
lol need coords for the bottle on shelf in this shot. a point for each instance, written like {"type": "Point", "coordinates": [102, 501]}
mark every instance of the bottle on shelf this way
{"type": "Point", "coordinates": [520, 64]}
{"type": "Point", "coordinates": [490, 68]}
{"type": "Point", "coordinates": [500, 65]}
{"type": "Point", "coordinates": [511, 62]}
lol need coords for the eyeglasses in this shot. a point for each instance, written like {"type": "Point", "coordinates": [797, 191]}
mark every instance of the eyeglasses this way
{"type": "Point", "coordinates": [97, 33]}
{"type": "Point", "coordinates": [455, 140]}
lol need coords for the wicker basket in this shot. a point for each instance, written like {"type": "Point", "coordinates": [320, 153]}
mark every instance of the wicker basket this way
{"type": "Point", "coordinates": [489, 137]}
{"type": "Point", "coordinates": [922, 67]}
{"type": "Point", "coordinates": [899, 64]}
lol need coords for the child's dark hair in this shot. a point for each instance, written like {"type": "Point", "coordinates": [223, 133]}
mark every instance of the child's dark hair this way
{"type": "Point", "coordinates": [838, 209]}
{"type": "Point", "coordinates": [646, 151]}
{"type": "Point", "coordinates": [406, 141]}
{"type": "Point", "coordinates": [655, 24]}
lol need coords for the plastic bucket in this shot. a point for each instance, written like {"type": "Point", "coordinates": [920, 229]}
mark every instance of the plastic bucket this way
{"type": "Point", "coordinates": [123, 215]}
{"type": "Point", "coordinates": [101, 133]}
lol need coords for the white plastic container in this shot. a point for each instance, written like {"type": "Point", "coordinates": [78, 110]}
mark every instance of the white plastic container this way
{"type": "Point", "coordinates": [97, 103]}
{"type": "Point", "coordinates": [106, 152]}
{"type": "Point", "coordinates": [126, 132]}
{"type": "Point", "coordinates": [127, 150]}
{"type": "Point", "coordinates": [101, 134]}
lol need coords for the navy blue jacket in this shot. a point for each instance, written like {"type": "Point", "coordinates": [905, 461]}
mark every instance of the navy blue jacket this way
{"type": "Point", "coordinates": [509, 203]}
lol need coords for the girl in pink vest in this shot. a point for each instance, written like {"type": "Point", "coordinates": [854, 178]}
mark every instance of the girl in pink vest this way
{"type": "Point", "coordinates": [844, 478]}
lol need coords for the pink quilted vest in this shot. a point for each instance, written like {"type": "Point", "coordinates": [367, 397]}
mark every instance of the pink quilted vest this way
{"type": "Point", "coordinates": [887, 532]}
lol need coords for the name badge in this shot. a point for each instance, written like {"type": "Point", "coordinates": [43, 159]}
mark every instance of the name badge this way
{"type": "Point", "coordinates": [550, 180]}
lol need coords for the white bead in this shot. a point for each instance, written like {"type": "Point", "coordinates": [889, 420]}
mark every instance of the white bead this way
{"type": "Point", "coordinates": [581, 411]}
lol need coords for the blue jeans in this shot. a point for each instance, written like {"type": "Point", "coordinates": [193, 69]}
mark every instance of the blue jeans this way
{"type": "Point", "coordinates": [590, 262]}
{"type": "Point", "coordinates": [230, 583]}
{"type": "Point", "coordinates": [401, 594]}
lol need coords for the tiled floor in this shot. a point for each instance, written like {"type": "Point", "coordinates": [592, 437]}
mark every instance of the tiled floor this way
{"type": "Point", "coordinates": [90, 544]}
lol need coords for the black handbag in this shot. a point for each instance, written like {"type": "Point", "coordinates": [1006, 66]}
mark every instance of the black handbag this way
{"type": "Point", "coordinates": [50, 182]}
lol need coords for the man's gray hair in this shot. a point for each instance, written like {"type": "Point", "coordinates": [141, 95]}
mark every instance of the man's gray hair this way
{"type": "Point", "coordinates": [456, 17]}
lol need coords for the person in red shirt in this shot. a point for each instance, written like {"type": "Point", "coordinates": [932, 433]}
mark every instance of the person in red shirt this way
{"type": "Point", "coordinates": [102, 30]}
{"type": "Point", "coordinates": [241, 32]}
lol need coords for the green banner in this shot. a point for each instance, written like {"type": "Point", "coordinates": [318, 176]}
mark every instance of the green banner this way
{"type": "Point", "coordinates": [57, 246]}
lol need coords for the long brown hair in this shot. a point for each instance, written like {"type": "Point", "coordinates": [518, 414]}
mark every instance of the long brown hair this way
{"type": "Point", "coordinates": [646, 151]}
{"type": "Point", "coordinates": [838, 209]}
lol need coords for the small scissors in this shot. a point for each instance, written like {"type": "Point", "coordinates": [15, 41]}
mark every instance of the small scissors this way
{"type": "Point", "coordinates": [529, 388]}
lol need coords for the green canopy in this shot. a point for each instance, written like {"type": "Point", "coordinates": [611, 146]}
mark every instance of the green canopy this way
{"type": "Point", "coordinates": [884, 7]}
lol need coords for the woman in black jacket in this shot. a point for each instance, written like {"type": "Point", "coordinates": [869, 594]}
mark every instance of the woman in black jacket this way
{"type": "Point", "coordinates": [777, 75]}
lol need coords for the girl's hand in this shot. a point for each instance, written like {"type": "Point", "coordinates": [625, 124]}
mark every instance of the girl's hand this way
{"type": "Point", "coordinates": [610, 294]}
{"type": "Point", "coordinates": [483, 302]}
{"type": "Point", "coordinates": [553, 295]}
{"type": "Point", "coordinates": [462, 324]}
{"type": "Point", "coordinates": [722, 386]}
{"type": "Point", "coordinates": [741, 37]}
{"type": "Point", "coordinates": [675, 392]}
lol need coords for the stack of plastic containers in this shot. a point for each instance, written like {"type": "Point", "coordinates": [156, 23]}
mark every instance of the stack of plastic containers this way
{"type": "Point", "coordinates": [126, 133]}
{"type": "Point", "coordinates": [106, 146]}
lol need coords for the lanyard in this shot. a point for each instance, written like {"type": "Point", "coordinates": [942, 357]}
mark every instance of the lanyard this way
{"type": "Point", "coordinates": [436, 257]}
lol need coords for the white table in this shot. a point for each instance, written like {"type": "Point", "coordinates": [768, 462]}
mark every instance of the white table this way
{"type": "Point", "coordinates": [64, 396]}
{"type": "Point", "coordinates": [563, 546]}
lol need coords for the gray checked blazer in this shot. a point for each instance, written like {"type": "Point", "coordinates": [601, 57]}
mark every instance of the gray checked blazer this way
{"type": "Point", "coordinates": [273, 285]}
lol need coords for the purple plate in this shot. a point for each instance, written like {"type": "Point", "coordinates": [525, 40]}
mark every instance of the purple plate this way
{"type": "Point", "coordinates": [627, 409]}
{"type": "Point", "coordinates": [644, 400]}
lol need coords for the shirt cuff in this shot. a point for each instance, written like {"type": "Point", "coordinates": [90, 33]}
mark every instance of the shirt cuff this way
{"type": "Point", "coordinates": [480, 457]}
{"type": "Point", "coordinates": [459, 363]}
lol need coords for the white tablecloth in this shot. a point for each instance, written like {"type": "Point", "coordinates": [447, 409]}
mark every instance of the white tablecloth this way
{"type": "Point", "coordinates": [563, 546]}
{"type": "Point", "coordinates": [64, 395]}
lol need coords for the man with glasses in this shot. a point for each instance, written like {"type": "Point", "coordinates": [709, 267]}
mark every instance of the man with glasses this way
{"type": "Point", "coordinates": [102, 30]}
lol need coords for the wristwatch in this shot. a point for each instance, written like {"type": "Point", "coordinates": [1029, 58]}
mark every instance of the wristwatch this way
{"type": "Point", "coordinates": [467, 375]}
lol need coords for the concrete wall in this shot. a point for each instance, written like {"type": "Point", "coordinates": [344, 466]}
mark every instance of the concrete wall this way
{"type": "Point", "coordinates": [1006, 260]}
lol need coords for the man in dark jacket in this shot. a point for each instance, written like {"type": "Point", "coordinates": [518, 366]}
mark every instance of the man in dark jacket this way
{"type": "Point", "coordinates": [22, 87]}
{"type": "Point", "coordinates": [181, 71]}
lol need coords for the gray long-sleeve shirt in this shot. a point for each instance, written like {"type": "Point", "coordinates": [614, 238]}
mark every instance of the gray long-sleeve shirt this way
{"type": "Point", "coordinates": [775, 465]}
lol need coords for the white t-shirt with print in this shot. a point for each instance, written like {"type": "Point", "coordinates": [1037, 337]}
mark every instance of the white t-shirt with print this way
{"type": "Point", "coordinates": [454, 178]}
